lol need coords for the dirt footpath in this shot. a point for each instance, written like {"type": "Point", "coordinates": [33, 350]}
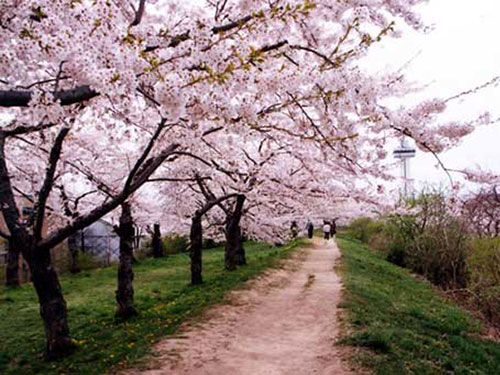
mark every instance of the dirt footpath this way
{"type": "Point", "coordinates": [284, 324]}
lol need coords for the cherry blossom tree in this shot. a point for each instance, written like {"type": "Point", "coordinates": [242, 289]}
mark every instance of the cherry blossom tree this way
{"type": "Point", "coordinates": [101, 94]}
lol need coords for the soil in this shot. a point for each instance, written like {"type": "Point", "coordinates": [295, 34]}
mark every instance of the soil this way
{"type": "Point", "coordinates": [285, 323]}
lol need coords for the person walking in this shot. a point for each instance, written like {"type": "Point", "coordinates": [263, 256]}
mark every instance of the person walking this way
{"type": "Point", "coordinates": [333, 228]}
{"type": "Point", "coordinates": [310, 229]}
{"type": "Point", "coordinates": [326, 230]}
{"type": "Point", "coordinates": [294, 229]}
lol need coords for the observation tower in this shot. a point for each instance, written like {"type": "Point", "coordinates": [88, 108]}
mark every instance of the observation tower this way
{"type": "Point", "coordinates": [405, 152]}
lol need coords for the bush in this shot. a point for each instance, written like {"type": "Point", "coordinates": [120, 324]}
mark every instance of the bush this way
{"type": "Point", "coordinates": [172, 244]}
{"type": "Point", "coordinates": [210, 243]}
{"type": "Point", "coordinates": [483, 266]}
{"type": "Point", "coordinates": [428, 238]}
{"type": "Point", "coordinates": [364, 228]}
{"type": "Point", "coordinates": [396, 254]}
{"type": "Point", "coordinates": [431, 241]}
{"type": "Point", "coordinates": [175, 244]}
{"type": "Point", "coordinates": [87, 261]}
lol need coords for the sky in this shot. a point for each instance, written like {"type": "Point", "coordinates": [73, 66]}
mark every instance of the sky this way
{"type": "Point", "coordinates": [462, 51]}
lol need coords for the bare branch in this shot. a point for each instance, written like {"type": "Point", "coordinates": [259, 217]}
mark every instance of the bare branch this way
{"type": "Point", "coordinates": [139, 13]}
{"type": "Point", "coordinates": [209, 196]}
{"type": "Point", "coordinates": [58, 76]}
{"type": "Point", "coordinates": [232, 25]}
{"type": "Point", "coordinates": [48, 182]}
{"type": "Point", "coordinates": [272, 47]}
{"type": "Point", "coordinates": [167, 179]}
{"type": "Point", "coordinates": [145, 153]}
{"type": "Point", "coordinates": [317, 53]}
{"type": "Point", "coordinates": [7, 201]}
{"type": "Point", "coordinates": [27, 129]}
{"type": "Point", "coordinates": [214, 202]}
{"type": "Point", "coordinates": [21, 98]}
{"type": "Point", "coordinates": [212, 130]}
{"type": "Point", "coordinates": [49, 80]}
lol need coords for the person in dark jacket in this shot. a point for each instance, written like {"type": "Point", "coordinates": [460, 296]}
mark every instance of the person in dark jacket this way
{"type": "Point", "coordinates": [294, 229]}
{"type": "Point", "coordinates": [333, 228]}
{"type": "Point", "coordinates": [310, 229]}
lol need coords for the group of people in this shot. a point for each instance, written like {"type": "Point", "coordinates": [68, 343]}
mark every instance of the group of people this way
{"type": "Point", "coordinates": [329, 228]}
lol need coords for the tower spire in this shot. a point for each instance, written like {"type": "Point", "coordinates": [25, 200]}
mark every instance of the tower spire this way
{"type": "Point", "coordinates": [405, 152]}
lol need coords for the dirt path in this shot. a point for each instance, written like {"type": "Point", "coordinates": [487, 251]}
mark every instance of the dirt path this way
{"type": "Point", "coordinates": [285, 324]}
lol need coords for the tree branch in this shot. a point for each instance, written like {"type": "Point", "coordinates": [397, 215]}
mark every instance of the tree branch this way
{"type": "Point", "coordinates": [232, 25]}
{"type": "Point", "coordinates": [48, 182]}
{"type": "Point", "coordinates": [208, 206]}
{"type": "Point", "coordinates": [139, 13]}
{"type": "Point", "coordinates": [145, 153]}
{"type": "Point", "coordinates": [27, 129]}
{"type": "Point", "coordinates": [150, 166]}
{"type": "Point", "coordinates": [7, 201]}
{"type": "Point", "coordinates": [21, 98]}
{"type": "Point", "coordinates": [167, 179]}
{"type": "Point", "coordinates": [209, 196]}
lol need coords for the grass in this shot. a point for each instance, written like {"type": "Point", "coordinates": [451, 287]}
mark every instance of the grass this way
{"type": "Point", "coordinates": [405, 326]}
{"type": "Point", "coordinates": [163, 297]}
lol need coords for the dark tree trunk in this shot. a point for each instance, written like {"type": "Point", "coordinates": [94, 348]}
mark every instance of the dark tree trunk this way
{"type": "Point", "coordinates": [157, 243]}
{"type": "Point", "coordinates": [125, 292]}
{"type": "Point", "coordinates": [73, 255]}
{"type": "Point", "coordinates": [196, 239]}
{"type": "Point", "coordinates": [234, 252]}
{"type": "Point", "coordinates": [12, 269]}
{"type": "Point", "coordinates": [52, 304]}
{"type": "Point", "coordinates": [241, 258]}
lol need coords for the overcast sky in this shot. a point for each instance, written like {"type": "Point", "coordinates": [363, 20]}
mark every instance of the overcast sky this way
{"type": "Point", "coordinates": [461, 52]}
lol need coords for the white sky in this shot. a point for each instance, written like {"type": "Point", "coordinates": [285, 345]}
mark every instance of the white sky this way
{"type": "Point", "coordinates": [461, 52]}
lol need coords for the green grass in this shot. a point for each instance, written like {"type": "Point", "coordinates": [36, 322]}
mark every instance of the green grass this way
{"type": "Point", "coordinates": [163, 297]}
{"type": "Point", "coordinates": [404, 325]}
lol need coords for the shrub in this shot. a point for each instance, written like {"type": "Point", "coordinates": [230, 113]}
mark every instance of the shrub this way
{"type": "Point", "coordinates": [396, 254]}
{"type": "Point", "coordinates": [364, 228]}
{"type": "Point", "coordinates": [430, 241]}
{"type": "Point", "coordinates": [175, 244]}
{"type": "Point", "coordinates": [210, 243]}
{"type": "Point", "coordinates": [428, 238]}
{"type": "Point", "coordinates": [483, 266]}
{"type": "Point", "coordinates": [87, 261]}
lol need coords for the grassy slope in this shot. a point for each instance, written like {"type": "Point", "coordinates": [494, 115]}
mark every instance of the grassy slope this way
{"type": "Point", "coordinates": [405, 325]}
{"type": "Point", "coordinates": [163, 297]}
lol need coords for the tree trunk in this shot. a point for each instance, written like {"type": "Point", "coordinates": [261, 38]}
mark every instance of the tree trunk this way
{"type": "Point", "coordinates": [234, 252]}
{"type": "Point", "coordinates": [125, 292]}
{"type": "Point", "coordinates": [241, 258]}
{"type": "Point", "coordinates": [12, 269]}
{"type": "Point", "coordinates": [157, 243]}
{"type": "Point", "coordinates": [73, 255]}
{"type": "Point", "coordinates": [52, 304]}
{"type": "Point", "coordinates": [196, 239]}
